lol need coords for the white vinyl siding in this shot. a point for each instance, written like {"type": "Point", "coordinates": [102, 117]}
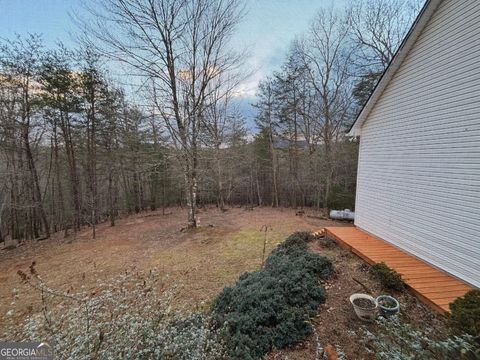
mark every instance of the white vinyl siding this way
{"type": "Point", "coordinates": [419, 164]}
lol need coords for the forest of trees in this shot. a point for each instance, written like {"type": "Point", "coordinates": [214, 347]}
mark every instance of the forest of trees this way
{"type": "Point", "coordinates": [76, 149]}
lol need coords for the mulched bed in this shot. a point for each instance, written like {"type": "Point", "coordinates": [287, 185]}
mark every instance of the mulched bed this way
{"type": "Point", "coordinates": [336, 319]}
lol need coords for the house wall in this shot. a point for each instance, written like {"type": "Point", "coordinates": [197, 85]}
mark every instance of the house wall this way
{"type": "Point", "coordinates": [419, 164]}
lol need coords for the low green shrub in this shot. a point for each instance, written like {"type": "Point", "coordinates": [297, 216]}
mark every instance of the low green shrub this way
{"type": "Point", "coordinates": [258, 316]}
{"type": "Point", "coordinates": [286, 260]}
{"type": "Point", "coordinates": [465, 313]}
{"type": "Point", "coordinates": [299, 238]}
{"type": "Point", "coordinates": [389, 279]}
{"type": "Point", "coordinates": [271, 308]}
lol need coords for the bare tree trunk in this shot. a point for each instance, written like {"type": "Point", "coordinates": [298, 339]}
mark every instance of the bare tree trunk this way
{"type": "Point", "coordinates": [274, 174]}
{"type": "Point", "coordinates": [220, 195]}
{"type": "Point", "coordinates": [191, 191]}
{"type": "Point", "coordinates": [259, 196]}
{"type": "Point", "coordinates": [328, 131]}
{"type": "Point", "coordinates": [111, 210]}
{"type": "Point", "coordinates": [58, 180]}
{"type": "Point", "coordinates": [73, 174]}
{"type": "Point", "coordinates": [191, 199]}
{"type": "Point", "coordinates": [164, 186]}
{"type": "Point", "coordinates": [93, 167]}
{"type": "Point", "coordinates": [14, 201]}
{"type": "Point", "coordinates": [37, 195]}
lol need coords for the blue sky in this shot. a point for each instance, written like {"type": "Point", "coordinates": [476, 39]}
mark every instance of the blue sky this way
{"type": "Point", "coordinates": [267, 30]}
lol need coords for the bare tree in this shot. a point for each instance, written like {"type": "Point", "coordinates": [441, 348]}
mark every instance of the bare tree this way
{"type": "Point", "coordinates": [61, 103]}
{"type": "Point", "coordinates": [327, 55]}
{"type": "Point", "coordinates": [19, 64]}
{"type": "Point", "coordinates": [218, 118]}
{"type": "Point", "coordinates": [182, 46]}
{"type": "Point", "coordinates": [267, 122]}
{"type": "Point", "coordinates": [93, 91]}
{"type": "Point", "coordinates": [377, 27]}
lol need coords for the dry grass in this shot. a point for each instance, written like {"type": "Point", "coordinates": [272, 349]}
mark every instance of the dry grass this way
{"type": "Point", "coordinates": [201, 262]}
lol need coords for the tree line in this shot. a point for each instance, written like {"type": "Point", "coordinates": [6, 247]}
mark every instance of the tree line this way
{"type": "Point", "coordinates": [327, 76]}
{"type": "Point", "coordinates": [78, 149]}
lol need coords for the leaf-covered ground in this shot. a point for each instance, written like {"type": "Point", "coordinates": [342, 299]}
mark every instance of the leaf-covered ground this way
{"type": "Point", "coordinates": [200, 263]}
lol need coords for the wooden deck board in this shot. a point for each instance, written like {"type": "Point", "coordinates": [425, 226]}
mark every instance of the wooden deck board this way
{"type": "Point", "coordinates": [426, 283]}
{"type": "Point", "coordinates": [433, 286]}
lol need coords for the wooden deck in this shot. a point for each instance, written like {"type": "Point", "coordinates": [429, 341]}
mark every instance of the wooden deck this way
{"type": "Point", "coordinates": [434, 287]}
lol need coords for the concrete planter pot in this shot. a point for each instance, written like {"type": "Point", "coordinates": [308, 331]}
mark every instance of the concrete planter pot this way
{"type": "Point", "coordinates": [365, 306]}
{"type": "Point", "coordinates": [388, 305]}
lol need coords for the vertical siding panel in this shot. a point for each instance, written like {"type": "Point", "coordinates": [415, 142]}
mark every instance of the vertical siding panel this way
{"type": "Point", "coordinates": [419, 157]}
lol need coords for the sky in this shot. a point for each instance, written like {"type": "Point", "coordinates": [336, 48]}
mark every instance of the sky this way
{"type": "Point", "coordinates": [266, 31]}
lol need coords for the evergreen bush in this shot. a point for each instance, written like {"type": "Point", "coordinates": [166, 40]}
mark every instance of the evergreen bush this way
{"type": "Point", "coordinates": [271, 308]}
{"type": "Point", "coordinates": [465, 313]}
{"type": "Point", "coordinates": [389, 279]}
{"type": "Point", "coordinates": [299, 238]}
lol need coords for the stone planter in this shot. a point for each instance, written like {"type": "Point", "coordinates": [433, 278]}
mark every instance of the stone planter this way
{"type": "Point", "coordinates": [365, 306]}
{"type": "Point", "coordinates": [388, 305]}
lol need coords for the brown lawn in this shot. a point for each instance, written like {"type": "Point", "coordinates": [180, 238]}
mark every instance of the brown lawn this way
{"type": "Point", "coordinates": [200, 264]}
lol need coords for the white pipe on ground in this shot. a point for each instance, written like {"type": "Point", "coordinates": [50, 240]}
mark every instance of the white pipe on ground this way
{"type": "Point", "coordinates": [346, 214]}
